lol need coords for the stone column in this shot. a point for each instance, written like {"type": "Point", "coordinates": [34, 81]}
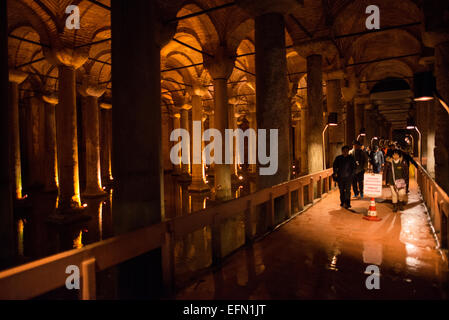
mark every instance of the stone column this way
{"type": "Point", "coordinates": [36, 137]}
{"type": "Point", "coordinates": [106, 143]}
{"type": "Point", "coordinates": [6, 208]}
{"type": "Point", "coordinates": [442, 117]}
{"type": "Point", "coordinates": [304, 149]}
{"type": "Point", "coordinates": [334, 104]}
{"type": "Point", "coordinates": [273, 106]}
{"type": "Point", "coordinates": [297, 132]}
{"type": "Point", "coordinates": [359, 110]}
{"type": "Point", "coordinates": [91, 122]}
{"type": "Point", "coordinates": [69, 202]}
{"type": "Point", "coordinates": [220, 68]}
{"type": "Point", "coordinates": [51, 155]}
{"type": "Point", "coordinates": [177, 125]}
{"type": "Point", "coordinates": [185, 125]}
{"type": "Point", "coordinates": [431, 106]}
{"type": "Point", "coordinates": [136, 126]}
{"type": "Point", "coordinates": [15, 78]}
{"type": "Point", "coordinates": [315, 114]}
{"type": "Point", "coordinates": [421, 123]}
{"type": "Point", "coordinates": [350, 123]}
{"type": "Point", "coordinates": [198, 184]}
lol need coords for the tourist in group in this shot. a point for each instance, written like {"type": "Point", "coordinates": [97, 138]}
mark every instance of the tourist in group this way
{"type": "Point", "coordinates": [396, 170]}
{"type": "Point", "coordinates": [361, 160]}
{"type": "Point", "coordinates": [377, 159]}
{"type": "Point", "coordinates": [344, 169]}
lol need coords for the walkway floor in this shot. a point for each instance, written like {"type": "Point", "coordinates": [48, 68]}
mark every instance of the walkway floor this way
{"type": "Point", "coordinates": [324, 252]}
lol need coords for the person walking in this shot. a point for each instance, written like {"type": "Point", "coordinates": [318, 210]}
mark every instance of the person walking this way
{"type": "Point", "coordinates": [344, 169]}
{"type": "Point", "coordinates": [361, 160]}
{"type": "Point", "coordinates": [377, 159]}
{"type": "Point", "coordinates": [396, 169]}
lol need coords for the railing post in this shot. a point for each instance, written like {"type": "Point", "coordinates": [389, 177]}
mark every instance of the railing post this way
{"type": "Point", "coordinates": [168, 259]}
{"type": "Point", "coordinates": [319, 187]}
{"type": "Point", "coordinates": [249, 219]}
{"type": "Point", "coordinates": [271, 219]}
{"type": "Point", "coordinates": [300, 197]}
{"type": "Point", "coordinates": [289, 202]}
{"type": "Point", "coordinates": [216, 242]}
{"type": "Point", "coordinates": [326, 184]}
{"type": "Point", "coordinates": [311, 191]}
{"type": "Point", "coordinates": [89, 289]}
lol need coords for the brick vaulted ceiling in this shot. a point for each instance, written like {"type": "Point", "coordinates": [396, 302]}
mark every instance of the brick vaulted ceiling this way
{"type": "Point", "coordinates": [43, 21]}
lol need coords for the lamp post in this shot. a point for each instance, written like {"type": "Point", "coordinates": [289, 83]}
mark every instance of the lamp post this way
{"type": "Point", "coordinates": [362, 133]}
{"type": "Point", "coordinates": [412, 126]}
{"type": "Point", "coordinates": [412, 140]}
{"type": "Point", "coordinates": [332, 121]}
{"type": "Point", "coordinates": [425, 88]}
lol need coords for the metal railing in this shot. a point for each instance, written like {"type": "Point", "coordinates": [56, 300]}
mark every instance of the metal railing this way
{"type": "Point", "coordinates": [437, 202]}
{"type": "Point", "coordinates": [42, 276]}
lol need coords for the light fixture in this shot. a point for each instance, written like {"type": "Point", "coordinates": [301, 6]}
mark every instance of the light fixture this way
{"type": "Point", "coordinates": [362, 133]}
{"type": "Point", "coordinates": [411, 125]}
{"type": "Point", "coordinates": [423, 86]}
{"type": "Point", "coordinates": [332, 121]}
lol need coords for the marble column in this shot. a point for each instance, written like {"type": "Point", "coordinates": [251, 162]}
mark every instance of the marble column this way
{"type": "Point", "coordinates": [198, 184]}
{"type": "Point", "coordinates": [67, 141]}
{"type": "Point", "coordinates": [359, 110]}
{"type": "Point", "coordinates": [421, 123]}
{"type": "Point", "coordinates": [304, 149]}
{"type": "Point", "coordinates": [334, 104]}
{"type": "Point", "coordinates": [177, 125]}
{"type": "Point", "coordinates": [186, 125]}
{"type": "Point", "coordinates": [136, 123]}
{"type": "Point", "coordinates": [51, 155]}
{"type": "Point", "coordinates": [315, 114]}
{"type": "Point", "coordinates": [15, 78]}
{"type": "Point", "coordinates": [36, 137]}
{"type": "Point", "coordinates": [431, 106]}
{"type": "Point", "coordinates": [442, 117]}
{"type": "Point", "coordinates": [6, 212]}
{"type": "Point", "coordinates": [220, 68]}
{"type": "Point", "coordinates": [350, 123]}
{"type": "Point", "coordinates": [106, 143]}
{"type": "Point", "coordinates": [91, 121]}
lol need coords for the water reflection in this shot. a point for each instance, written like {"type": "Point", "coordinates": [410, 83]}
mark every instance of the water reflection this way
{"type": "Point", "coordinates": [35, 238]}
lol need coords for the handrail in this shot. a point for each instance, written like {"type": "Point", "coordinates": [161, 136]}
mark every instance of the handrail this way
{"type": "Point", "coordinates": [41, 276]}
{"type": "Point", "coordinates": [437, 202]}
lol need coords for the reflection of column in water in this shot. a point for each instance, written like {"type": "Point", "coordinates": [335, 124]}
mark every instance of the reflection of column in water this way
{"type": "Point", "coordinates": [184, 200]}
{"type": "Point", "coordinates": [20, 227]}
{"type": "Point", "coordinates": [372, 252]}
{"type": "Point", "coordinates": [106, 217]}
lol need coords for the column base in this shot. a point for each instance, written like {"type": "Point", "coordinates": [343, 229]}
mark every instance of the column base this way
{"type": "Point", "coordinates": [51, 189]}
{"type": "Point", "coordinates": [199, 186]}
{"type": "Point", "coordinates": [184, 177]}
{"type": "Point", "coordinates": [67, 216]}
{"type": "Point", "coordinates": [94, 194]}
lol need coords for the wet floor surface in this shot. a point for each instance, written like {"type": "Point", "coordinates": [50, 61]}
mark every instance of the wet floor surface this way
{"type": "Point", "coordinates": [324, 253]}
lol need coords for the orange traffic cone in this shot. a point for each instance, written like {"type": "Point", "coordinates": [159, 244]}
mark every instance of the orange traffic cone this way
{"type": "Point", "coordinates": [372, 212]}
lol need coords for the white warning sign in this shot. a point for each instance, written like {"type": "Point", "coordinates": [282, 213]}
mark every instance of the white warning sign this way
{"type": "Point", "coordinates": [372, 185]}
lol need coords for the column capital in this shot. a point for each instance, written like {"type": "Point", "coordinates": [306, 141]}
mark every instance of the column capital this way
{"type": "Point", "coordinates": [17, 76]}
{"type": "Point", "coordinates": [261, 7]}
{"type": "Point", "coordinates": [186, 106]}
{"type": "Point", "coordinates": [51, 99]}
{"type": "Point", "coordinates": [338, 74]}
{"type": "Point", "coordinates": [220, 66]}
{"type": "Point", "coordinates": [88, 89]}
{"type": "Point", "coordinates": [197, 90]}
{"type": "Point", "coordinates": [72, 58]}
{"type": "Point", "coordinates": [323, 48]}
{"type": "Point", "coordinates": [106, 106]}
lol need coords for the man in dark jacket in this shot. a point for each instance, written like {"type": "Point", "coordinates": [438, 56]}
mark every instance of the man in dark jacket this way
{"type": "Point", "coordinates": [361, 160]}
{"type": "Point", "coordinates": [344, 169]}
{"type": "Point", "coordinates": [377, 159]}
